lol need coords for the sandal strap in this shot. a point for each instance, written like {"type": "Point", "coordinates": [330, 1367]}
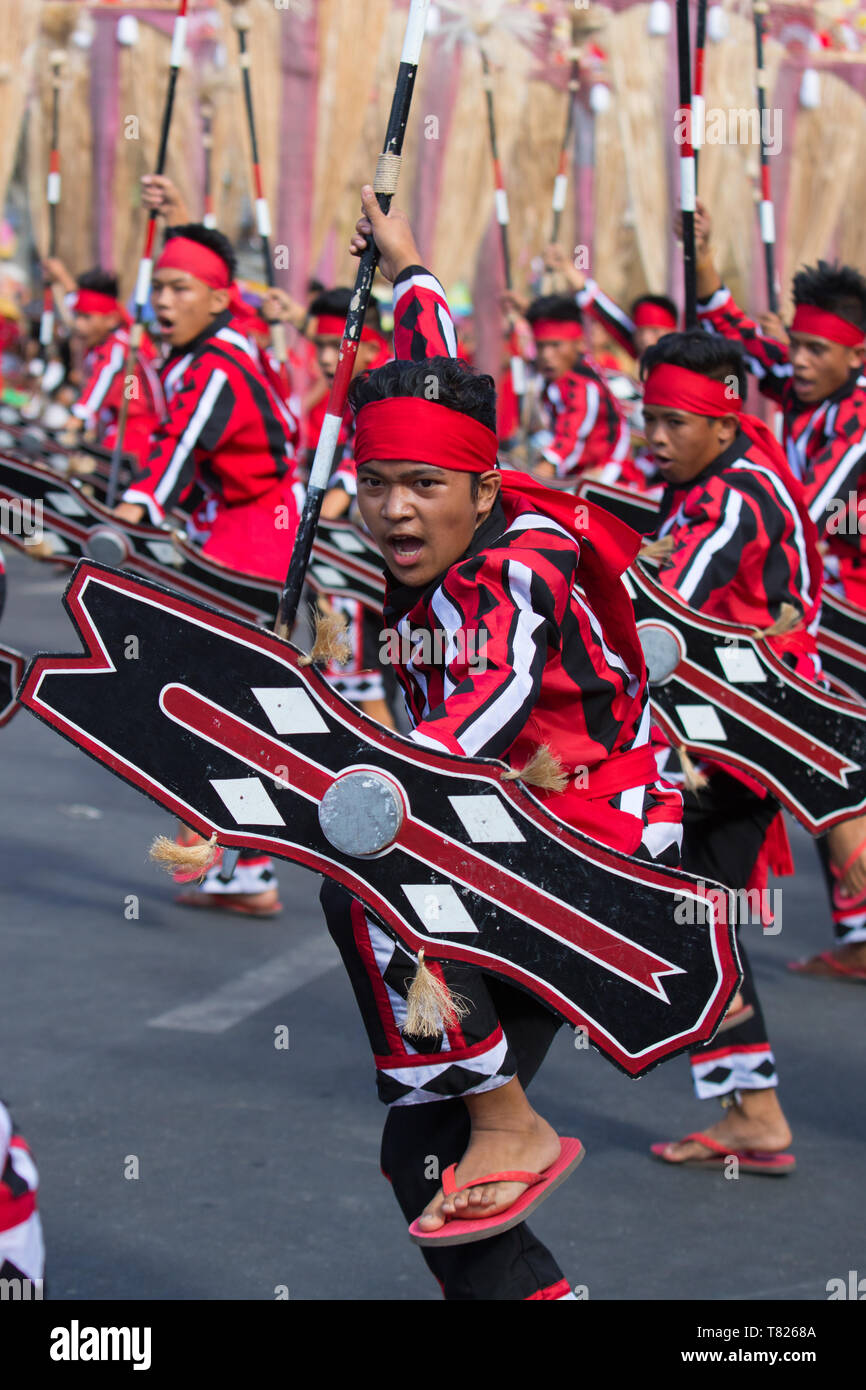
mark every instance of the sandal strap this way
{"type": "Point", "coordinates": [708, 1143]}
{"type": "Point", "coordinates": [852, 859]}
{"type": "Point", "coordinates": [449, 1185]}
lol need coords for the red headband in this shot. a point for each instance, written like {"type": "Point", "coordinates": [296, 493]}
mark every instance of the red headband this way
{"type": "Point", "coordinates": [405, 427]}
{"type": "Point", "coordinates": [556, 328]}
{"type": "Point", "coordinates": [197, 260]}
{"type": "Point", "coordinates": [654, 316]}
{"type": "Point", "coordinates": [92, 302]}
{"type": "Point", "coordinates": [330, 326]}
{"type": "Point", "coordinates": [679, 389]}
{"type": "Point", "coordinates": [809, 319]}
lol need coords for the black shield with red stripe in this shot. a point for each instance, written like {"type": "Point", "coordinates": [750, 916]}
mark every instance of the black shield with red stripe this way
{"type": "Point", "coordinates": [218, 722]}
{"type": "Point", "coordinates": [728, 697]}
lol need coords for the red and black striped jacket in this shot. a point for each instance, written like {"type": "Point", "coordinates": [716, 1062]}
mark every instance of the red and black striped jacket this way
{"type": "Point", "coordinates": [585, 425]}
{"type": "Point", "coordinates": [504, 653]}
{"type": "Point", "coordinates": [825, 444]}
{"type": "Point", "coordinates": [742, 547]}
{"type": "Point", "coordinates": [225, 428]}
{"type": "Point", "coordinates": [102, 395]}
{"type": "Point", "coordinates": [616, 322]}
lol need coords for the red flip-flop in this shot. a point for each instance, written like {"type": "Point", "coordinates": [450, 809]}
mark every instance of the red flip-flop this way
{"type": "Point", "coordinates": [460, 1231]}
{"type": "Point", "coordinates": [749, 1160]}
{"type": "Point", "coordinates": [826, 967]}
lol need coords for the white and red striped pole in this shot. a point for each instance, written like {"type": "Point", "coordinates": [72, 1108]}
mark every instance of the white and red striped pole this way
{"type": "Point", "coordinates": [687, 164]}
{"type": "Point", "coordinates": [385, 185]}
{"type": "Point", "coordinates": [767, 211]}
{"type": "Point", "coordinates": [52, 193]}
{"type": "Point", "coordinates": [518, 366]}
{"type": "Point", "coordinates": [145, 265]}
{"type": "Point", "coordinates": [699, 109]}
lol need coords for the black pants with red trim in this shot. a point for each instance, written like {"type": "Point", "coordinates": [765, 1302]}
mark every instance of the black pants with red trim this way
{"type": "Point", "coordinates": [724, 826]}
{"type": "Point", "coordinates": [421, 1140]}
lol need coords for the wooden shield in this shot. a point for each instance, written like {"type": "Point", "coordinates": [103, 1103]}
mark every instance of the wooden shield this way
{"type": "Point", "coordinates": [217, 721]}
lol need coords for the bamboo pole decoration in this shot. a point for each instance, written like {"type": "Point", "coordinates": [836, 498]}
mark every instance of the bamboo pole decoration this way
{"type": "Point", "coordinates": [385, 185]}
{"type": "Point", "coordinates": [687, 164]}
{"type": "Point", "coordinates": [698, 103]}
{"type": "Point", "coordinates": [242, 23]}
{"type": "Point", "coordinates": [208, 219]}
{"type": "Point", "coordinates": [767, 211]}
{"type": "Point", "coordinates": [518, 366]}
{"type": "Point", "coordinates": [145, 266]}
{"type": "Point", "coordinates": [52, 194]}
{"type": "Point", "coordinates": [560, 183]}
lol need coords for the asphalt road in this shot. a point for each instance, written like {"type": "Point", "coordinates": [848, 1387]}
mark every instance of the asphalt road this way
{"type": "Point", "coordinates": [152, 1038]}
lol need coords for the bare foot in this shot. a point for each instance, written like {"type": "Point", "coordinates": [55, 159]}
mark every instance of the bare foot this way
{"type": "Point", "coordinates": [843, 841]}
{"type": "Point", "coordinates": [851, 954]}
{"type": "Point", "coordinates": [756, 1122]}
{"type": "Point", "coordinates": [532, 1148]}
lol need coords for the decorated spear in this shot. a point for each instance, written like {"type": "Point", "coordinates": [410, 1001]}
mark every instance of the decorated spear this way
{"type": "Point", "coordinates": [767, 213]}
{"type": "Point", "coordinates": [242, 23]}
{"type": "Point", "coordinates": [698, 104]}
{"type": "Point", "coordinates": [687, 164]}
{"type": "Point", "coordinates": [145, 267]}
{"type": "Point", "coordinates": [46, 326]}
{"type": "Point", "coordinates": [385, 185]}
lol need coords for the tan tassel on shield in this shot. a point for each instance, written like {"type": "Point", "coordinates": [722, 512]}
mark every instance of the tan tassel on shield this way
{"type": "Point", "coordinates": [695, 781]}
{"type": "Point", "coordinates": [332, 638]}
{"type": "Point", "coordinates": [543, 770]}
{"type": "Point", "coordinates": [172, 856]}
{"type": "Point", "coordinates": [658, 549]}
{"type": "Point", "coordinates": [789, 618]}
{"type": "Point", "coordinates": [432, 1006]}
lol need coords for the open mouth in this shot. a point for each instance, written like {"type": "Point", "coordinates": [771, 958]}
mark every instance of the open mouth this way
{"type": "Point", "coordinates": [405, 550]}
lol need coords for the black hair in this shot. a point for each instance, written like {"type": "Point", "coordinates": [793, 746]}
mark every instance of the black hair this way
{"type": "Point", "coordinates": [448, 381]}
{"type": "Point", "coordinates": [562, 308]}
{"type": "Point", "coordinates": [336, 303]}
{"type": "Point", "coordinates": [698, 351]}
{"type": "Point", "coordinates": [837, 289]}
{"type": "Point", "coordinates": [661, 301]}
{"type": "Point", "coordinates": [207, 236]}
{"type": "Point", "coordinates": [314, 286]}
{"type": "Point", "coordinates": [99, 280]}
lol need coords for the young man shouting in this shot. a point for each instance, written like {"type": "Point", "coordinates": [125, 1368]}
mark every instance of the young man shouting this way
{"type": "Point", "coordinates": [817, 379]}
{"type": "Point", "coordinates": [742, 545]}
{"type": "Point", "coordinates": [540, 649]}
